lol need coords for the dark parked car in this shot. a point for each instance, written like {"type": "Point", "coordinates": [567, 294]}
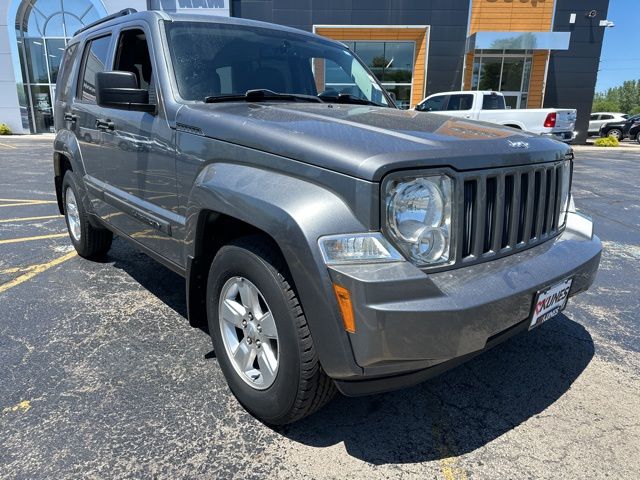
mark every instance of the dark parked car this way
{"type": "Point", "coordinates": [629, 128]}
{"type": "Point", "coordinates": [328, 239]}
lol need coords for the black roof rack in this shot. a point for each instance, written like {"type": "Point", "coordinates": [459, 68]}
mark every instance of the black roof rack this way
{"type": "Point", "coordinates": [121, 13]}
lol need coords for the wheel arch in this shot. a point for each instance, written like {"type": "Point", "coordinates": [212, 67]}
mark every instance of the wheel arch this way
{"type": "Point", "coordinates": [231, 200]}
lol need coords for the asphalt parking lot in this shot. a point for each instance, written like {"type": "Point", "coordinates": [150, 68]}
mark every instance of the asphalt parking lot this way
{"type": "Point", "coordinates": [102, 377]}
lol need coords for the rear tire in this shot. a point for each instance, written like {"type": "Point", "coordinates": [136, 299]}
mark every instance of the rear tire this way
{"type": "Point", "coordinates": [90, 242]}
{"type": "Point", "coordinates": [638, 136]}
{"type": "Point", "coordinates": [299, 386]}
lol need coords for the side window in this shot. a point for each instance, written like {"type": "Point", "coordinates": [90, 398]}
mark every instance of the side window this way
{"type": "Point", "coordinates": [64, 78]}
{"type": "Point", "coordinates": [434, 104]}
{"type": "Point", "coordinates": [606, 117]}
{"type": "Point", "coordinates": [132, 55]}
{"type": "Point", "coordinates": [460, 102]}
{"type": "Point", "coordinates": [593, 117]}
{"type": "Point", "coordinates": [493, 102]}
{"type": "Point", "coordinates": [94, 61]}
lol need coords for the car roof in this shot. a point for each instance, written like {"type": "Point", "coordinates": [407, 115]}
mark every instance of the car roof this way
{"type": "Point", "coordinates": [155, 15]}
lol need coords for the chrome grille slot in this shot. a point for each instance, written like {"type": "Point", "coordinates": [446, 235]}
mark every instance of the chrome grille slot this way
{"type": "Point", "coordinates": [505, 211]}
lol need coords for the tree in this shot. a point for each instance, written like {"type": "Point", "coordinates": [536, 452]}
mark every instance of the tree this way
{"type": "Point", "coordinates": [625, 99]}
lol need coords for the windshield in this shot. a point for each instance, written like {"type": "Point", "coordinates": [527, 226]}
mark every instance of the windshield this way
{"type": "Point", "coordinates": [212, 60]}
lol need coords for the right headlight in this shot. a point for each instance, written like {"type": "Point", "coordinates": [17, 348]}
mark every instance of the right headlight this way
{"type": "Point", "coordinates": [418, 217]}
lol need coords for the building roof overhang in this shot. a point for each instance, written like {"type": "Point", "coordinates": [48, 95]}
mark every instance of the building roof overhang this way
{"type": "Point", "coordinates": [518, 41]}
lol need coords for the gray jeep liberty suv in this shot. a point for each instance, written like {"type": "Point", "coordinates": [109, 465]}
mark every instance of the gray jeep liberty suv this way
{"type": "Point", "coordinates": [330, 240]}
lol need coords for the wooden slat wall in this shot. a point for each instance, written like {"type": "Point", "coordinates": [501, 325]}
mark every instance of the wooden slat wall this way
{"type": "Point", "coordinates": [511, 15]}
{"type": "Point", "coordinates": [468, 72]}
{"type": "Point", "coordinates": [514, 16]}
{"type": "Point", "coordinates": [417, 35]}
{"type": "Point", "coordinates": [536, 81]}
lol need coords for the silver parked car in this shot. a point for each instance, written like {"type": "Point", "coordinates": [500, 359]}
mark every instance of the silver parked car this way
{"type": "Point", "coordinates": [597, 119]}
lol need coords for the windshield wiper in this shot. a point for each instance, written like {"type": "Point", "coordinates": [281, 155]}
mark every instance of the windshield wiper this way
{"type": "Point", "coordinates": [348, 98]}
{"type": "Point", "coordinates": [262, 94]}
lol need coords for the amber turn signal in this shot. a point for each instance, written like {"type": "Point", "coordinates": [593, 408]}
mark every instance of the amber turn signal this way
{"type": "Point", "coordinates": [346, 308]}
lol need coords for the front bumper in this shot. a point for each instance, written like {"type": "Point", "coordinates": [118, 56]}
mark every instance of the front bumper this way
{"type": "Point", "coordinates": [411, 324]}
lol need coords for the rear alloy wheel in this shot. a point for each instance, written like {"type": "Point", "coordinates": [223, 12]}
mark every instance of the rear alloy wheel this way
{"type": "Point", "coordinates": [615, 133]}
{"type": "Point", "coordinates": [88, 240]}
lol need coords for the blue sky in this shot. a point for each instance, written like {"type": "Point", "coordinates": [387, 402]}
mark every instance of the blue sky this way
{"type": "Point", "coordinates": [620, 59]}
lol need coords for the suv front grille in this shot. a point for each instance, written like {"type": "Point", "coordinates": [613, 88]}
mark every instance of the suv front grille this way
{"type": "Point", "coordinates": [509, 209]}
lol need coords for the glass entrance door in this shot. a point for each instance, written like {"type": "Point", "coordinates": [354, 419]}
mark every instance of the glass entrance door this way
{"type": "Point", "coordinates": [512, 99]}
{"type": "Point", "coordinates": [43, 28]}
{"type": "Point", "coordinates": [505, 71]}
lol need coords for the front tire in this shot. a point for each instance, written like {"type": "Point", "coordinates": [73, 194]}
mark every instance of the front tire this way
{"type": "Point", "coordinates": [615, 133]}
{"type": "Point", "coordinates": [89, 241]}
{"type": "Point", "coordinates": [260, 334]}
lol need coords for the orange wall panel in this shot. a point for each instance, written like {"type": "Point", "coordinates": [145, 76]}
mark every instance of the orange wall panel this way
{"type": "Point", "coordinates": [536, 81]}
{"type": "Point", "coordinates": [511, 15]}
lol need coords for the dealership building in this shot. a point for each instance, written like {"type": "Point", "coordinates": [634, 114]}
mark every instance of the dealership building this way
{"type": "Point", "coordinates": [538, 53]}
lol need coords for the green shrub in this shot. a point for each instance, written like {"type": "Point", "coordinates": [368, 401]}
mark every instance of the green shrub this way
{"type": "Point", "coordinates": [4, 129]}
{"type": "Point", "coordinates": [607, 142]}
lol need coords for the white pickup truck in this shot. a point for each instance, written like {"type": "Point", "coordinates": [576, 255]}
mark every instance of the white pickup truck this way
{"type": "Point", "coordinates": [490, 107]}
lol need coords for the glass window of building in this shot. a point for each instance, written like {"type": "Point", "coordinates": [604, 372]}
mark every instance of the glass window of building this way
{"type": "Point", "coordinates": [390, 62]}
{"type": "Point", "coordinates": [506, 71]}
{"type": "Point", "coordinates": [43, 28]}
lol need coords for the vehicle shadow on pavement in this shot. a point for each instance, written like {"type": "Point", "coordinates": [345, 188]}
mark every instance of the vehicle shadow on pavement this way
{"type": "Point", "coordinates": [461, 410]}
{"type": "Point", "coordinates": [166, 285]}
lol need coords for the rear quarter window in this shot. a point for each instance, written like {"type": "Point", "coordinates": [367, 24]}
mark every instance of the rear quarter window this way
{"type": "Point", "coordinates": [65, 79]}
{"type": "Point", "coordinates": [493, 102]}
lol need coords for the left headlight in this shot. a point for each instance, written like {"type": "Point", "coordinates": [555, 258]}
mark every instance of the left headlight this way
{"type": "Point", "coordinates": [418, 217]}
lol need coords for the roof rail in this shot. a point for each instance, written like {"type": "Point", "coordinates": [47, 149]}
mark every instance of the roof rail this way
{"type": "Point", "coordinates": [121, 13]}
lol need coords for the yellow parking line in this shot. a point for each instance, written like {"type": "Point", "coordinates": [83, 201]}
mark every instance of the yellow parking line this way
{"type": "Point", "coordinates": [449, 466]}
{"type": "Point", "coordinates": [8, 271]}
{"type": "Point", "coordinates": [28, 239]}
{"type": "Point", "coordinates": [36, 270]}
{"type": "Point", "coordinates": [32, 202]}
{"type": "Point", "coordinates": [451, 470]}
{"type": "Point", "coordinates": [28, 219]}
{"type": "Point", "coordinates": [22, 200]}
{"type": "Point", "coordinates": [6, 145]}
{"type": "Point", "coordinates": [22, 407]}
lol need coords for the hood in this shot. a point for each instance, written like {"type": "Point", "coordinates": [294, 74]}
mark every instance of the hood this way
{"type": "Point", "coordinates": [367, 142]}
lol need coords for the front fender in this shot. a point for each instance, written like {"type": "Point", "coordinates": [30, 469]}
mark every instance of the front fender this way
{"type": "Point", "coordinates": [295, 213]}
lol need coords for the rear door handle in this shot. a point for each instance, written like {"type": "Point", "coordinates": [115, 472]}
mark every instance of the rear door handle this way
{"type": "Point", "coordinates": [70, 117]}
{"type": "Point", "coordinates": [102, 124]}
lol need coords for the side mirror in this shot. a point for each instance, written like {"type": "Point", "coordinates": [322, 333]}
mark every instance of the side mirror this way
{"type": "Point", "coordinates": [120, 90]}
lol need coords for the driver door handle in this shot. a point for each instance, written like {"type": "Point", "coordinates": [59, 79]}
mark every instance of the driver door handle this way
{"type": "Point", "coordinates": [102, 124]}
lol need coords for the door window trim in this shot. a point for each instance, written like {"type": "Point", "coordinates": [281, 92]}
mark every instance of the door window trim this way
{"type": "Point", "coordinates": [80, 77]}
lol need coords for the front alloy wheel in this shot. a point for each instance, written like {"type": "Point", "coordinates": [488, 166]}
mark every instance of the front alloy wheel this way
{"type": "Point", "coordinates": [260, 333]}
{"type": "Point", "coordinates": [248, 332]}
{"type": "Point", "coordinates": [615, 133]}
